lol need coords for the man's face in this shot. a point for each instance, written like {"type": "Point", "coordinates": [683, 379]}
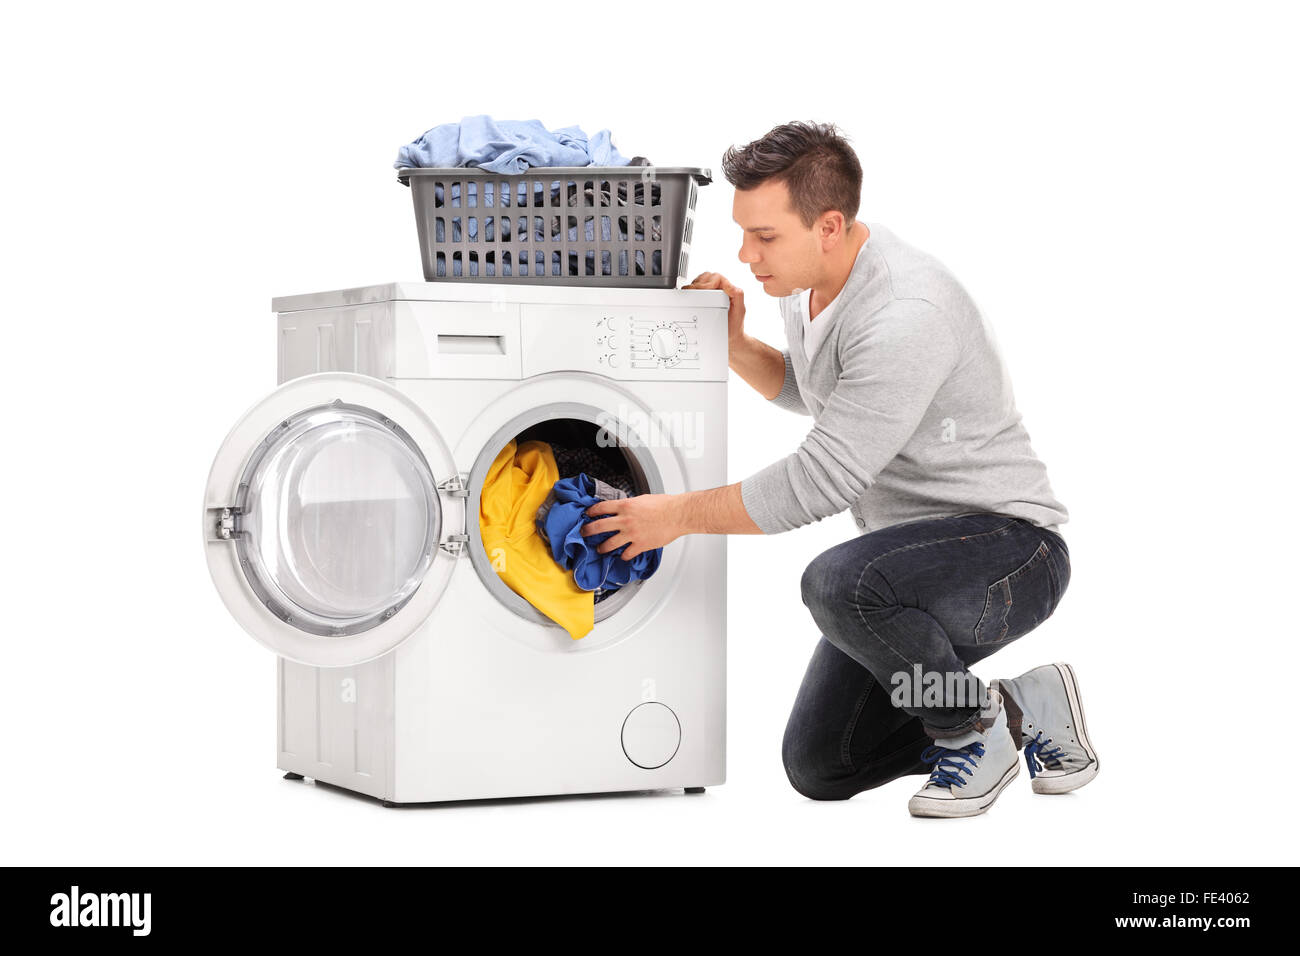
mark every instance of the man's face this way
{"type": "Point", "coordinates": [779, 249]}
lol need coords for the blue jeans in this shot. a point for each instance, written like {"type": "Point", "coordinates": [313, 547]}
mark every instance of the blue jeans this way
{"type": "Point", "coordinates": [922, 598]}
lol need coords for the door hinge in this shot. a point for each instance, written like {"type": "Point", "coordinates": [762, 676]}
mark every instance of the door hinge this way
{"type": "Point", "coordinates": [226, 523]}
{"type": "Point", "coordinates": [455, 544]}
{"type": "Point", "coordinates": [457, 485]}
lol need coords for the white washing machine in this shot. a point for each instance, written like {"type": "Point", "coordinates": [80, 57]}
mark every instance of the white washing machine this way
{"type": "Point", "coordinates": [340, 524]}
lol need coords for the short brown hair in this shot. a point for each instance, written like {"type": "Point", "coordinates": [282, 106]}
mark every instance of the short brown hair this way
{"type": "Point", "coordinates": [815, 162]}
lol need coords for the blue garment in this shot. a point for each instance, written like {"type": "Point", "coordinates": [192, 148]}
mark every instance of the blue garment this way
{"type": "Point", "coordinates": [591, 569]}
{"type": "Point", "coordinates": [508, 146]}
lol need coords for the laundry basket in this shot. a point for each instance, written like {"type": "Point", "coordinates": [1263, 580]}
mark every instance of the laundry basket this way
{"type": "Point", "coordinates": [556, 225]}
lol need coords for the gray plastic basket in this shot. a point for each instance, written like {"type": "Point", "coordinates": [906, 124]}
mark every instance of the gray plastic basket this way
{"type": "Point", "coordinates": [556, 225]}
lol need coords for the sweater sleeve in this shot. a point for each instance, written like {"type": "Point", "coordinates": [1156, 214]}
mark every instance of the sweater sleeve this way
{"type": "Point", "coordinates": [789, 397]}
{"type": "Point", "coordinates": [892, 367]}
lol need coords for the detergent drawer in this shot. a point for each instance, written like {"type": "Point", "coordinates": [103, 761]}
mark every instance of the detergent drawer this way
{"type": "Point", "coordinates": [476, 340]}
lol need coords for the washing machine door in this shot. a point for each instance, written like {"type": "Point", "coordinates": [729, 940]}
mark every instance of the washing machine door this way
{"type": "Point", "coordinates": [333, 519]}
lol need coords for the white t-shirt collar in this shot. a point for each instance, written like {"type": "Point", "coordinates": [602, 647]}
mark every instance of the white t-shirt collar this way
{"type": "Point", "coordinates": [814, 330]}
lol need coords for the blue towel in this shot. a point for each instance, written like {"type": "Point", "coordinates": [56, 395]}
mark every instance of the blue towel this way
{"type": "Point", "coordinates": [508, 146]}
{"type": "Point", "coordinates": [591, 569]}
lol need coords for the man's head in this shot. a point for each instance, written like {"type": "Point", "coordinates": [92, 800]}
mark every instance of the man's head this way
{"type": "Point", "coordinates": [797, 193]}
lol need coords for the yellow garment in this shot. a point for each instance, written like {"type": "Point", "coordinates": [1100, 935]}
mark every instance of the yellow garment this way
{"type": "Point", "coordinates": [515, 487]}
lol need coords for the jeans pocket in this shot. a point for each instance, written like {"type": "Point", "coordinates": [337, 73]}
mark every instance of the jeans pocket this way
{"type": "Point", "coordinates": [1018, 603]}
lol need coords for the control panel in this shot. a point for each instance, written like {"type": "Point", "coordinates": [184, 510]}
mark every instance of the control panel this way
{"type": "Point", "coordinates": [632, 341]}
{"type": "Point", "coordinates": [626, 343]}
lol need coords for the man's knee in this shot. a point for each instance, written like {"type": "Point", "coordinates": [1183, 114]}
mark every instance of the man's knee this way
{"type": "Point", "coordinates": [824, 585]}
{"type": "Point", "coordinates": [806, 776]}
{"type": "Point", "coordinates": [816, 772]}
{"type": "Point", "coordinates": [831, 585]}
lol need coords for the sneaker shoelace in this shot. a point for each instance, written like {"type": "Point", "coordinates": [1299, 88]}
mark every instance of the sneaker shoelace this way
{"type": "Point", "coordinates": [950, 764]}
{"type": "Point", "coordinates": [1038, 750]}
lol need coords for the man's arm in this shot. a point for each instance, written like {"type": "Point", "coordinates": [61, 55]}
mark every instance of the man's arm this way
{"type": "Point", "coordinates": [768, 371]}
{"type": "Point", "coordinates": [763, 367]}
{"type": "Point", "coordinates": [716, 511]}
{"type": "Point", "coordinates": [758, 364]}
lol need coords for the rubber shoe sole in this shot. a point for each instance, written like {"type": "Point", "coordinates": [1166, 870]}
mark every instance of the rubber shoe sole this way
{"type": "Point", "coordinates": [922, 806]}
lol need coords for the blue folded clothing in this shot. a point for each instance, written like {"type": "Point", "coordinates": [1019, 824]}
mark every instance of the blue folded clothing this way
{"type": "Point", "coordinates": [562, 524]}
{"type": "Point", "coordinates": [508, 146]}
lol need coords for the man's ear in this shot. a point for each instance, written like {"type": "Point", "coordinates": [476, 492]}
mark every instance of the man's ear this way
{"type": "Point", "coordinates": [830, 228]}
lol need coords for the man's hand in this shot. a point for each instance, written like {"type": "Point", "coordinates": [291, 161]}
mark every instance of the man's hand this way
{"type": "Point", "coordinates": [646, 522]}
{"type": "Point", "coordinates": [735, 311]}
{"type": "Point", "coordinates": [642, 522]}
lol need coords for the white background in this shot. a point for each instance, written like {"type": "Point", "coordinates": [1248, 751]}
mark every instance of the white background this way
{"type": "Point", "coordinates": [1115, 184]}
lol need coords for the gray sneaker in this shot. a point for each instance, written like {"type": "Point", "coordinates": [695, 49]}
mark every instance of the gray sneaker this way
{"type": "Point", "coordinates": [1045, 708]}
{"type": "Point", "coordinates": [969, 771]}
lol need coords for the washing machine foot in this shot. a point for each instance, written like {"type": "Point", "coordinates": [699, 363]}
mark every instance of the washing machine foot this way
{"type": "Point", "coordinates": [694, 789]}
{"type": "Point", "coordinates": [292, 776]}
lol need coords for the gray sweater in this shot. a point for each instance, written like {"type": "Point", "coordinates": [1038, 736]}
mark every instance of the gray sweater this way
{"type": "Point", "coordinates": [912, 407]}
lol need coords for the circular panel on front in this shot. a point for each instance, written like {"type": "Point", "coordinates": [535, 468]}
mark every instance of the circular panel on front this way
{"type": "Point", "coordinates": [651, 735]}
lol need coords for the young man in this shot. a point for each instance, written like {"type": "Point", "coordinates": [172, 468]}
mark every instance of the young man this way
{"type": "Point", "coordinates": [916, 432]}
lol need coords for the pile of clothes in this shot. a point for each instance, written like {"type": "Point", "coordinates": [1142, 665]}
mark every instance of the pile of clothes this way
{"type": "Point", "coordinates": [513, 146]}
{"type": "Point", "coordinates": [508, 146]}
{"type": "Point", "coordinates": [531, 523]}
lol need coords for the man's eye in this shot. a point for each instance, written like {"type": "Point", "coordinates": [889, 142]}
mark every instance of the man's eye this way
{"type": "Point", "coordinates": [766, 238]}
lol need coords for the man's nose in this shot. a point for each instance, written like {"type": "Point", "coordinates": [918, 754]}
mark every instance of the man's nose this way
{"type": "Point", "coordinates": [747, 253]}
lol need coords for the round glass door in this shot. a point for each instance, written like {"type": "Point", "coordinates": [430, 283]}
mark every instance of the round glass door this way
{"type": "Point", "coordinates": [340, 519]}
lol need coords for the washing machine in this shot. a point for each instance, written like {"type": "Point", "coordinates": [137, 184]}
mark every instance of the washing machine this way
{"type": "Point", "coordinates": [340, 525]}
